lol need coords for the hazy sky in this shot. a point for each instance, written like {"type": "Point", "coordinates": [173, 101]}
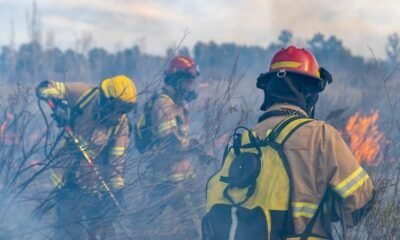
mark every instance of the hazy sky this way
{"type": "Point", "coordinates": [158, 24]}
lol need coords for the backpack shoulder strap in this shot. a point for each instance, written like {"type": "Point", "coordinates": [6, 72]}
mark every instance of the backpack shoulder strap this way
{"type": "Point", "coordinates": [85, 98]}
{"type": "Point", "coordinates": [81, 103]}
{"type": "Point", "coordinates": [283, 130]}
{"type": "Point", "coordinates": [277, 139]}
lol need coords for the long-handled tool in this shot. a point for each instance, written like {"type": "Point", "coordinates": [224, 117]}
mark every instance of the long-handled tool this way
{"type": "Point", "coordinates": [88, 158]}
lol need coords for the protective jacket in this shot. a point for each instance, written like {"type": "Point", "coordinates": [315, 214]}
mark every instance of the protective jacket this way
{"type": "Point", "coordinates": [170, 119]}
{"type": "Point", "coordinates": [305, 163]}
{"type": "Point", "coordinates": [105, 141]}
{"type": "Point", "coordinates": [163, 129]}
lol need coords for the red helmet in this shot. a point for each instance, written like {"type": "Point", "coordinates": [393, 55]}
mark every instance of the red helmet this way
{"type": "Point", "coordinates": [181, 64]}
{"type": "Point", "coordinates": [295, 60]}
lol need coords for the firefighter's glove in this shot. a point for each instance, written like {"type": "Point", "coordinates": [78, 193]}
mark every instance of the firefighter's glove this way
{"type": "Point", "coordinates": [61, 113]}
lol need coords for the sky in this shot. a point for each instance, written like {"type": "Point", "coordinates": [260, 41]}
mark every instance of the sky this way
{"type": "Point", "coordinates": [155, 25]}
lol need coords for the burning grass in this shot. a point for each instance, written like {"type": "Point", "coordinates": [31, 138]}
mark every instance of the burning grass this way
{"type": "Point", "coordinates": [365, 139]}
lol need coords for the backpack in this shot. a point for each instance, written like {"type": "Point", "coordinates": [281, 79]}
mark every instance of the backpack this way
{"type": "Point", "coordinates": [249, 197]}
{"type": "Point", "coordinates": [144, 137]}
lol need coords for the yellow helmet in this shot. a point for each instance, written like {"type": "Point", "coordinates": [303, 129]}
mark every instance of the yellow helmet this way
{"type": "Point", "coordinates": [119, 87]}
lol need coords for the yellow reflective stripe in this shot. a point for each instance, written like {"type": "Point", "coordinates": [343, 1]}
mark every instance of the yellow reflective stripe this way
{"type": "Point", "coordinates": [348, 179]}
{"type": "Point", "coordinates": [61, 88]}
{"type": "Point", "coordinates": [49, 92]}
{"type": "Point", "coordinates": [55, 179]}
{"type": "Point", "coordinates": [140, 124]}
{"type": "Point", "coordinates": [304, 209]}
{"type": "Point", "coordinates": [285, 64]}
{"type": "Point", "coordinates": [118, 151]}
{"type": "Point", "coordinates": [81, 104]}
{"type": "Point", "coordinates": [121, 122]}
{"type": "Point", "coordinates": [118, 182]}
{"type": "Point", "coordinates": [351, 183]}
{"type": "Point", "coordinates": [163, 95]}
{"type": "Point", "coordinates": [356, 186]}
{"type": "Point", "coordinates": [167, 125]}
{"type": "Point", "coordinates": [56, 91]}
{"type": "Point", "coordinates": [289, 128]}
{"type": "Point", "coordinates": [176, 177]}
{"type": "Point", "coordinates": [268, 132]}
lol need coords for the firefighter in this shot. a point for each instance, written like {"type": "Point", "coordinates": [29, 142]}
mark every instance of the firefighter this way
{"type": "Point", "coordinates": [299, 174]}
{"type": "Point", "coordinates": [162, 133]}
{"type": "Point", "coordinates": [164, 125]}
{"type": "Point", "coordinates": [92, 157]}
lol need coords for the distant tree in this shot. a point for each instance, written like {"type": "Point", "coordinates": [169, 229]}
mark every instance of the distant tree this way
{"type": "Point", "coordinates": [30, 62]}
{"type": "Point", "coordinates": [34, 24]}
{"type": "Point", "coordinates": [285, 38]}
{"type": "Point", "coordinates": [55, 61]}
{"type": "Point", "coordinates": [184, 51]}
{"type": "Point", "coordinates": [170, 52]}
{"type": "Point", "coordinates": [99, 60]}
{"type": "Point", "coordinates": [393, 48]}
{"type": "Point", "coordinates": [50, 39]}
{"type": "Point", "coordinates": [317, 42]}
{"type": "Point", "coordinates": [84, 42]}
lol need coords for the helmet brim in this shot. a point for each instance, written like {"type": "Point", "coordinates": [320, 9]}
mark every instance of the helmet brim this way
{"type": "Point", "coordinates": [271, 73]}
{"type": "Point", "coordinates": [265, 77]}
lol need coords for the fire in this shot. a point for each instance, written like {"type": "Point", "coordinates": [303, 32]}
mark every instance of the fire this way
{"type": "Point", "coordinates": [364, 137]}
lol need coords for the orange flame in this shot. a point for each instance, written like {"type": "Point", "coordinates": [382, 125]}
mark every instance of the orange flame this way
{"type": "Point", "coordinates": [364, 136]}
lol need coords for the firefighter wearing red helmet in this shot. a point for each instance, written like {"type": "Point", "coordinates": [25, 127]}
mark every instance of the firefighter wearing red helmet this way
{"type": "Point", "coordinates": [165, 118]}
{"type": "Point", "coordinates": [180, 75]}
{"type": "Point", "coordinates": [162, 136]}
{"type": "Point", "coordinates": [308, 176]}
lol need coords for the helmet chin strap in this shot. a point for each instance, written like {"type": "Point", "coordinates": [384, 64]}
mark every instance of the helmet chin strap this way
{"type": "Point", "coordinates": [311, 101]}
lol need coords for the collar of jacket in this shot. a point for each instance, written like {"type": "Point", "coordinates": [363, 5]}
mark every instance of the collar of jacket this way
{"type": "Point", "coordinates": [282, 106]}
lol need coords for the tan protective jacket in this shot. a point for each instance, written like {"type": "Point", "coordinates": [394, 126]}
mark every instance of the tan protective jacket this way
{"type": "Point", "coordinates": [107, 143]}
{"type": "Point", "coordinates": [319, 158]}
{"type": "Point", "coordinates": [169, 118]}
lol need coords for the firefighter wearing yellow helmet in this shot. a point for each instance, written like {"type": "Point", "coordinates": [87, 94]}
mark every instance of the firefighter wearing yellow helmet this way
{"type": "Point", "coordinates": [88, 167]}
{"type": "Point", "coordinates": [291, 175]}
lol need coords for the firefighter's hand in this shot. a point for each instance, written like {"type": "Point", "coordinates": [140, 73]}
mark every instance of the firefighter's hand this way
{"type": "Point", "coordinates": [61, 115]}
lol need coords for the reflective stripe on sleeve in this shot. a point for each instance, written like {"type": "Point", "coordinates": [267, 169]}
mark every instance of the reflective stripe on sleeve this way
{"type": "Point", "coordinates": [49, 92]}
{"type": "Point", "coordinates": [304, 209]}
{"type": "Point", "coordinates": [118, 182]}
{"type": "Point", "coordinates": [57, 181]}
{"type": "Point", "coordinates": [167, 125]}
{"type": "Point", "coordinates": [351, 183]}
{"type": "Point", "coordinates": [177, 177]}
{"type": "Point", "coordinates": [117, 151]}
{"type": "Point", "coordinates": [61, 88]}
{"type": "Point", "coordinates": [57, 91]}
